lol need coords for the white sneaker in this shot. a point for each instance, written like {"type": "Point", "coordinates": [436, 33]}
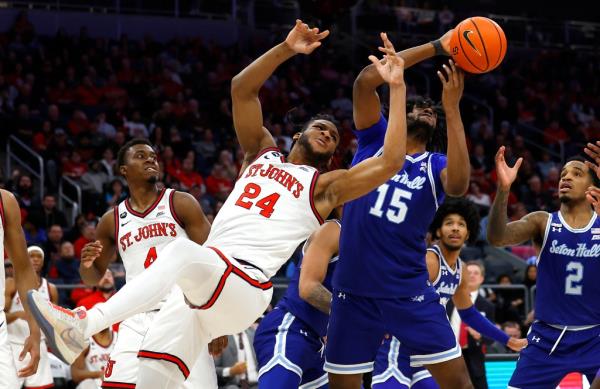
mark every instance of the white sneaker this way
{"type": "Point", "coordinates": [64, 328]}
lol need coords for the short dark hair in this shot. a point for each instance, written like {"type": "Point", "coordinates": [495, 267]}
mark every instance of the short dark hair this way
{"type": "Point", "coordinates": [460, 206]}
{"type": "Point", "coordinates": [592, 173]}
{"type": "Point", "coordinates": [320, 116]}
{"type": "Point", "coordinates": [127, 146]}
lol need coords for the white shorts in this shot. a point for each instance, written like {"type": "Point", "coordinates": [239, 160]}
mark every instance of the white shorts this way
{"type": "Point", "coordinates": [8, 371]}
{"type": "Point", "coordinates": [229, 298]}
{"type": "Point", "coordinates": [122, 369]}
{"type": "Point", "coordinates": [43, 376]}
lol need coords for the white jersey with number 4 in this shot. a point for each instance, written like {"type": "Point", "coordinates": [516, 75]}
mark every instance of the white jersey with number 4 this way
{"type": "Point", "coordinates": [144, 235]}
{"type": "Point", "coordinates": [141, 236]}
{"type": "Point", "coordinates": [268, 214]}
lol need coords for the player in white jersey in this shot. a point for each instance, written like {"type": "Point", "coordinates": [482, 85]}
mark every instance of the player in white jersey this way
{"type": "Point", "coordinates": [17, 323]}
{"type": "Point", "coordinates": [138, 229]}
{"type": "Point", "coordinates": [88, 369]}
{"type": "Point", "coordinates": [275, 205]}
{"type": "Point", "coordinates": [12, 240]}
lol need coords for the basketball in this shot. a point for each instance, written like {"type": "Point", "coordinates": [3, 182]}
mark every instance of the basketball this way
{"type": "Point", "coordinates": [478, 45]}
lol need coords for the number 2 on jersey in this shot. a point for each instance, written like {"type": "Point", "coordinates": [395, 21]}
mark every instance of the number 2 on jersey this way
{"type": "Point", "coordinates": [267, 204]}
{"type": "Point", "coordinates": [150, 257]}
{"type": "Point", "coordinates": [396, 209]}
{"type": "Point", "coordinates": [572, 283]}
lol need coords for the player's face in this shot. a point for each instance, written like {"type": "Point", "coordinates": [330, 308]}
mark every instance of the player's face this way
{"type": "Point", "coordinates": [142, 162]}
{"type": "Point", "coordinates": [574, 180]}
{"type": "Point", "coordinates": [37, 261]}
{"type": "Point", "coordinates": [319, 141]}
{"type": "Point", "coordinates": [423, 115]}
{"type": "Point", "coordinates": [453, 233]}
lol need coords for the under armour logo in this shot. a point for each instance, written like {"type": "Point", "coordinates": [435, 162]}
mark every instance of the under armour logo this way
{"type": "Point", "coordinates": [556, 229]}
{"type": "Point", "coordinates": [418, 299]}
{"type": "Point", "coordinates": [423, 167]}
{"type": "Point", "coordinates": [342, 295]}
{"type": "Point", "coordinates": [304, 332]}
{"type": "Point", "coordinates": [535, 339]}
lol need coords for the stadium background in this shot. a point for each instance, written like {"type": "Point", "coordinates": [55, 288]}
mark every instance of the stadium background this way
{"type": "Point", "coordinates": [78, 79]}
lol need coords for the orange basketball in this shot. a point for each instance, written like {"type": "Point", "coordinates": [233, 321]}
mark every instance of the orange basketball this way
{"type": "Point", "coordinates": [478, 44]}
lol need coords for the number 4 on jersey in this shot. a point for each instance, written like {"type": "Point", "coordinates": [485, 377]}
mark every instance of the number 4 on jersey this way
{"type": "Point", "coordinates": [150, 257]}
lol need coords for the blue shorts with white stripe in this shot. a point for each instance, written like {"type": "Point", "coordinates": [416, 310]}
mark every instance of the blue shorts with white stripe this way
{"type": "Point", "coordinates": [358, 324]}
{"type": "Point", "coordinates": [283, 344]}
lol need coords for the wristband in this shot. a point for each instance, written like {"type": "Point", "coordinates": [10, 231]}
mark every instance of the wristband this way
{"type": "Point", "coordinates": [439, 50]}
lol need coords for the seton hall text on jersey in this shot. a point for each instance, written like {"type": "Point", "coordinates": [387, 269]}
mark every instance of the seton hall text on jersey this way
{"type": "Point", "coordinates": [416, 183]}
{"type": "Point", "coordinates": [279, 175]}
{"type": "Point", "coordinates": [147, 232]}
{"type": "Point", "coordinates": [581, 250]}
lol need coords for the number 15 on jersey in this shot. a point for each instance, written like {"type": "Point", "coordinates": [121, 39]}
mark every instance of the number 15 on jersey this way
{"type": "Point", "coordinates": [395, 210]}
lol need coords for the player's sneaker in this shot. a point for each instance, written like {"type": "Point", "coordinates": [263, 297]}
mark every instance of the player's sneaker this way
{"type": "Point", "coordinates": [64, 328]}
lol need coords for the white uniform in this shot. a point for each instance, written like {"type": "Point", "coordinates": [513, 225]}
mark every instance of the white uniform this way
{"type": "Point", "coordinates": [96, 359]}
{"type": "Point", "coordinates": [8, 372]}
{"type": "Point", "coordinates": [140, 237]}
{"type": "Point", "coordinates": [268, 214]}
{"type": "Point", "coordinates": [18, 331]}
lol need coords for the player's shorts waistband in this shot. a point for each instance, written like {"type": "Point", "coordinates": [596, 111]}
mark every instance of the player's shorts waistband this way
{"type": "Point", "coordinates": [572, 328]}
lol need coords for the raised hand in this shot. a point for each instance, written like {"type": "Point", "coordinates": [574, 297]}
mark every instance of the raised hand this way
{"type": "Point", "coordinates": [445, 40]}
{"type": "Point", "coordinates": [391, 66]}
{"type": "Point", "coordinates": [216, 346]}
{"type": "Point", "coordinates": [506, 174]}
{"type": "Point", "coordinates": [453, 82]}
{"type": "Point", "coordinates": [593, 196]}
{"type": "Point", "coordinates": [593, 150]}
{"type": "Point", "coordinates": [90, 252]}
{"type": "Point", "coordinates": [516, 344]}
{"type": "Point", "coordinates": [303, 39]}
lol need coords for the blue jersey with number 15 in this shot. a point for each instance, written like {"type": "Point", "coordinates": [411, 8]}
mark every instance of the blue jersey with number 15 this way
{"type": "Point", "coordinates": [382, 243]}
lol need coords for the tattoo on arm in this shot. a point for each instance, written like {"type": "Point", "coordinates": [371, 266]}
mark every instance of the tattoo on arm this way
{"type": "Point", "coordinates": [320, 298]}
{"type": "Point", "coordinates": [496, 227]}
{"type": "Point", "coordinates": [502, 233]}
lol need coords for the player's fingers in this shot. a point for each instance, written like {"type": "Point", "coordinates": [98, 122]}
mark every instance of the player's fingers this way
{"type": "Point", "coordinates": [442, 78]}
{"type": "Point", "coordinates": [594, 147]}
{"type": "Point", "coordinates": [376, 61]}
{"type": "Point", "coordinates": [592, 166]}
{"type": "Point", "coordinates": [500, 154]}
{"type": "Point", "coordinates": [313, 46]}
{"type": "Point", "coordinates": [453, 72]}
{"type": "Point", "coordinates": [518, 164]}
{"type": "Point", "coordinates": [323, 35]}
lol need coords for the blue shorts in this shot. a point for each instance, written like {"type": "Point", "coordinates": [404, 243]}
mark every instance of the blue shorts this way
{"type": "Point", "coordinates": [392, 369]}
{"type": "Point", "coordinates": [576, 351]}
{"type": "Point", "coordinates": [282, 340]}
{"type": "Point", "coordinates": [358, 324]}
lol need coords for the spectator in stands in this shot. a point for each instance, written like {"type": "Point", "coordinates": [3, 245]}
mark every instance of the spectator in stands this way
{"type": "Point", "coordinates": [24, 191]}
{"type": "Point", "coordinates": [8, 268]}
{"type": "Point", "coordinates": [48, 214]}
{"type": "Point", "coordinates": [108, 162]}
{"type": "Point", "coordinates": [102, 292]}
{"type": "Point", "coordinates": [88, 234]}
{"type": "Point", "coordinates": [135, 127]}
{"type": "Point", "coordinates": [65, 271]}
{"type": "Point", "coordinates": [92, 184]}
{"type": "Point", "coordinates": [52, 246]}
{"type": "Point", "coordinates": [509, 302]}
{"type": "Point", "coordinates": [186, 176]}
{"type": "Point", "coordinates": [218, 184]}
{"type": "Point", "coordinates": [236, 366]}
{"type": "Point", "coordinates": [74, 167]}
{"type": "Point", "coordinates": [115, 194]}
{"type": "Point", "coordinates": [478, 197]}
{"type": "Point", "coordinates": [511, 329]}
{"type": "Point", "coordinates": [530, 277]}
{"type": "Point", "coordinates": [104, 127]}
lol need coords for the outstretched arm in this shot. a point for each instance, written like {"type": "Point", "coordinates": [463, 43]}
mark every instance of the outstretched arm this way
{"type": "Point", "coordinates": [593, 192]}
{"type": "Point", "coordinates": [344, 185]}
{"type": "Point", "coordinates": [247, 111]}
{"type": "Point", "coordinates": [499, 231]}
{"type": "Point", "coordinates": [322, 246]}
{"type": "Point", "coordinates": [366, 104]}
{"type": "Point", "coordinates": [455, 177]}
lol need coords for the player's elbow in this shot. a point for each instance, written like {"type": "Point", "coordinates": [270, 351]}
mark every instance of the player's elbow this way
{"type": "Point", "coordinates": [240, 86]}
{"type": "Point", "coordinates": [392, 163]}
{"type": "Point", "coordinates": [494, 239]}
{"type": "Point", "coordinates": [365, 79]}
{"type": "Point", "coordinates": [458, 189]}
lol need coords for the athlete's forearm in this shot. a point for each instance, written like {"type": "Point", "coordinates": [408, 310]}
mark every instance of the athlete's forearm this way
{"type": "Point", "coordinates": [252, 78]}
{"type": "Point", "coordinates": [497, 219]}
{"type": "Point", "coordinates": [319, 297]}
{"type": "Point", "coordinates": [458, 171]}
{"type": "Point", "coordinates": [370, 77]}
{"type": "Point", "coordinates": [90, 276]}
{"type": "Point", "coordinates": [474, 319]}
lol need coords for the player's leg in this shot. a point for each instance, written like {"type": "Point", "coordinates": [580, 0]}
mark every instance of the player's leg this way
{"type": "Point", "coordinates": [197, 270]}
{"type": "Point", "coordinates": [582, 348]}
{"type": "Point", "coordinates": [422, 379]}
{"type": "Point", "coordinates": [596, 383]}
{"type": "Point", "coordinates": [122, 368]}
{"type": "Point", "coordinates": [427, 337]}
{"type": "Point", "coordinates": [278, 377]}
{"type": "Point", "coordinates": [354, 334]}
{"type": "Point", "coordinates": [179, 335]}
{"type": "Point", "coordinates": [538, 366]}
{"type": "Point", "coordinates": [203, 373]}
